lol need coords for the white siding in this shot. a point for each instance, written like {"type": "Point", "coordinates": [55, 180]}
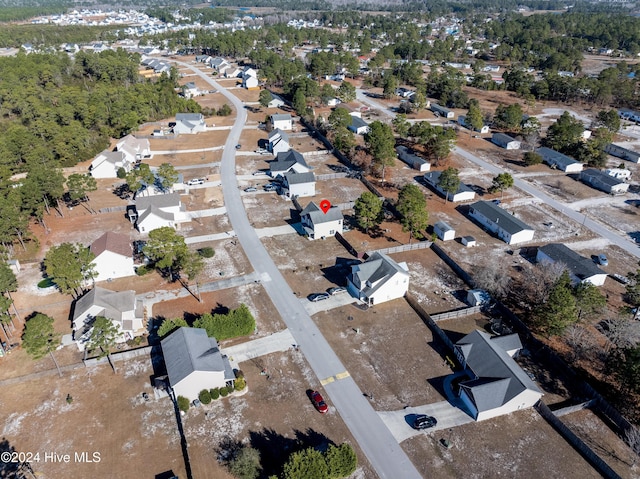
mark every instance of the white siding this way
{"type": "Point", "coordinates": [327, 229]}
{"type": "Point", "coordinates": [191, 386]}
{"type": "Point", "coordinates": [113, 265]}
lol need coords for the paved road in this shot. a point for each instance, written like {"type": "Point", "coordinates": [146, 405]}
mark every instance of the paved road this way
{"type": "Point", "coordinates": [627, 245]}
{"type": "Point", "coordinates": [374, 438]}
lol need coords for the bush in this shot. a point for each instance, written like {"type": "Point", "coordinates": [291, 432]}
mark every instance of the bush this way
{"type": "Point", "coordinates": [341, 460]}
{"type": "Point", "coordinates": [142, 270]}
{"type": "Point", "coordinates": [246, 464]}
{"type": "Point", "coordinates": [225, 110]}
{"type": "Point", "coordinates": [204, 396]}
{"type": "Point", "coordinates": [215, 393]}
{"type": "Point", "coordinates": [224, 391]}
{"type": "Point", "coordinates": [531, 158]}
{"type": "Point", "coordinates": [183, 403]}
{"type": "Point", "coordinates": [121, 173]}
{"type": "Point", "coordinates": [170, 325]}
{"type": "Point", "coordinates": [206, 252]}
{"type": "Point", "coordinates": [46, 283]}
{"type": "Point", "coordinates": [238, 322]}
{"type": "Point", "coordinates": [240, 384]}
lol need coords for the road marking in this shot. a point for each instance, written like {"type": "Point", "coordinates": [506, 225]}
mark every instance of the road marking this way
{"type": "Point", "coordinates": [343, 375]}
{"type": "Point", "coordinates": [330, 379]}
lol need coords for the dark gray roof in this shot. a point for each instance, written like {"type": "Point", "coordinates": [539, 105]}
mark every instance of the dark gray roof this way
{"type": "Point", "coordinates": [190, 349]}
{"type": "Point", "coordinates": [294, 178]}
{"type": "Point", "coordinates": [189, 117]}
{"type": "Point", "coordinates": [280, 117]}
{"type": "Point", "coordinates": [357, 122]}
{"type": "Point", "coordinates": [159, 201]}
{"type": "Point", "coordinates": [502, 218]}
{"type": "Point", "coordinates": [377, 267]}
{"type": "Point", "coordinates": [599, 176]}
{"type": "Point", "coordinates": [154, 210]}
{"type": "Point", "coordinates": [114, 303]}
{"type": "Point", "coordinates": [577, 265]}
{"type": "Point", "coordinates": [498, 377]}
{"type": "Point", "coordinates": [286, 159]}
{"type": "Point", "coordinates": [501, 138]}
{"type": "Point", "coordinates": [441, 225]}
{"type": "Point", "coordinates": [410, 158]}
{"type": "Point", "coordinates": [439, 108]}
{"type": "Point", "coordinates": [434, 176]}
{"type": "Point", "coordinates": [555, 157]}
{"type": "Point", "coordinates": [318, 217]}
{"type": "Point", "coordinates": [278, 133]}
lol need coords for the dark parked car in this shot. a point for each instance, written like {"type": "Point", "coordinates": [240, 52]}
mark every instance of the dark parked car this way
{"type": "Point", "coordinates": [423, 421]}
{"type": "Point", "coordinates": [314, 298]}
{"type": "Point", "coordinates": [270, 187]}
{"type": "Point", "coordinates": [318, 402]}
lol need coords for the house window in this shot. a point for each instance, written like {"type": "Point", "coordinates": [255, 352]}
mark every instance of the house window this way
{"type": "Point", "coordinates": [332, 232]}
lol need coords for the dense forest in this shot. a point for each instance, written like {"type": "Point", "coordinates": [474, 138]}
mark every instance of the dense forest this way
{"type": "Point", "coordinates": [53, 35]}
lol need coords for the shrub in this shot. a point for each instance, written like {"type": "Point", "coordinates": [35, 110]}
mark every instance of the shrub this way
{"type": "Point", "coordinates": [341, 460]}
{"type": "Point", "coordinates": [240, 384]}
{"type": "Point", "coordinates": [46, 283]}
{"type": "Point", "coordinates": [246, 464]}
{"type": "Point", "coordinates": [224, 391]}
{"type": "Point", "coordinates": [183, 403]}
{"type": "Point", "coordinates": [206, 252]}
{"type": "Point", "coordinates": [170, 325]}
{"type": "Point", "coordinates": [224, 110]}
{"type": "Point", "coordinates": [215, 393]}
{"type": "Point", "coordinates": [204, 396]}
{"type": "Point", "coordinates": [238, 322]}
{"type": "Point", "coordinates": [121, 173]}
{"type": "Point", "coordinates": [142, 270]}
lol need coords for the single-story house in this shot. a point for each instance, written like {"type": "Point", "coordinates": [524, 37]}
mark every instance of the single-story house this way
{"type": "Point", "coordinates": [157, 211]}
{"type": "Point", "coordinates": [497, 385]}
{"type": "Point", "coordinates": [275, 102]}
{"type": "Point", "coordinates": [555, 159]}
{"type": "Point", "coordinates": [358, 126]}
{"type": "Point", "coordinates": [603, 182]}
{"type": "Point", "coordinates": [121, 307]}
{"type": "Point", "coordinates": [468, 241]}
{"type": "Point", "coordinates": [462, 121]}
{"type": "Point", "coordinates": [464, 193]}
{"type": "Point", "coordinates": [478, 297]}
{"type": "Point", "coordinates": [411, 159]}
{"type": "Point", "coordinates": [506, 226]}
{"type": "Point", "coordinates": [619, 173]}
{"type": "Point", "coordinates": [444, 231]}
{"type": "Point", "coordinates": [134, 148]}
{"type": "Point", "coordinates": [353, 111]}
{"type": "Point", "coordinates": [250, 82]}
{"type": "Point", "coordinates": [622, 152]}
{"type": "Point", "coordinates": [278, 142]}
{"type": "Point", "coordinates": [580, 268]}
{"type": "Point", "coordinates": [299, 184]}
{"type": "Point", "coordinates": [189, 123]}
{"type": "Point", "coordinates": [439, 110]}
{"type": "Point", "coordinates": [288, 161]}
{"type": "Point", "coordinates": [505, 141]}
{"type": "Point", "coordinates": [318, 224]}
{"type": "Point", "coordinates": [282, 121]}
{"type": "Point", "coordinates": [113, 256]}
{"type": "Point", "coordinates": [194, 362]}
{"type": "Point", "coordinates": [378, 279]}
{"type": "Point", "coordinates": [107, 164]}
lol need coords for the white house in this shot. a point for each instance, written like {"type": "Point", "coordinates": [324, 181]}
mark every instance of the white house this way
{"type": "Point", "coordinates": [282, 121]}
{"type": "Point", "coordinates": [497, 384]}
{"type": "Point", "coordinates": [190, 90]}
{"type": "Point", "coordinates": [250, 72]}
{"type": "Point", "coordinates": [299, 184]}
{"type": "Point", "coordinates": [288, 161]}
{"type": "Point", "coordinates": [555, 159]}
{"type": "Point", "coordinates": [121, 307]}
{"type": "Point", "coordinates": [232, 72]}
{"type": "Point", "coordinates": [462, 121]}
{"type": "Point", "coordinates": [194, 362]}
{"type": "Point", "coordinates": [439, 110]}
{"type": "Point", "coordinates": [411, 159]}
{"type": "Point", "coordinates": [318, 224]}
{"type": "Point", "coordinates": [463, 193]}
{"type": "Point", "coordinates": [378, 279]}
{"type": "Point", "coordinates": [157, 211]}
{"type": "Point", "coordinates": [358, 126]}
{"type": "Point", "coordinates": [249, 82]}
{"type": "Point", "coordinates": [602, 181]}
{"type": "Point", "coordinates": [506, 226]}
{"type": "Point", "coordinates": [444, 231]}
{"type": "Point", "coordinates": [278, 142]}
{"type": "Point", "coordinates": [189, 123]}
{"type": "Point", "coordinates": [134, 148]}
{"type": "Point", "coordinates": [107, 164]}
{"type": "Point", "coordinates": [113, 256]}
{"type": "Point", "coordinates": [275, 102]}
{"type": "Point", "coordinates": [218, 63]}
{"type": "Point", "coordinates": [333, 101]}
{"type": "Point", "coordinates": [505, 141]}
{"type": "Point", "coordinates": [622, 152]}
{"type": "Point", "coordinates": [580, 269]}
{"type": "Point", "coordinates": [619, 173]}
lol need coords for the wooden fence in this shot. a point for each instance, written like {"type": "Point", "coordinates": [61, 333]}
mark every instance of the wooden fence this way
{"type": "Point", "coordinates": [402, 248]}
{"type": "Point", "coordinates": [331, 176]}
{"type": "Point", "coordinates": [456, 313]}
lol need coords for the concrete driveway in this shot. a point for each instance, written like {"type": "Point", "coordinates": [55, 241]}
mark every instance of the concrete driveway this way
{"type": "Point", "coordinates": [335, 301]}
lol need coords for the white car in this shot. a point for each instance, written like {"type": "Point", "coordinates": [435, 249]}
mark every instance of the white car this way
{"type": "Point", "coordinates": [195, 181]}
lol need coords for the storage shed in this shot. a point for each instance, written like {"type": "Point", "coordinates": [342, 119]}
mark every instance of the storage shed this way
{"type": "Point", "coordinates": [444, 231]}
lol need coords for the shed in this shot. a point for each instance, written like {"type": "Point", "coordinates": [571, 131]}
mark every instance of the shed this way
{"type": "Point", "coordinates": [468, 241]}
{"type": "Point", "coordinates": [444, 231]}
{"type": "Point", "coordinates": [478, 297]}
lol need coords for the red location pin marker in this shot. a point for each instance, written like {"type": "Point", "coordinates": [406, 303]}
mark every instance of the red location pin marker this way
{"type": "Point", "coordinates": [325, 205]}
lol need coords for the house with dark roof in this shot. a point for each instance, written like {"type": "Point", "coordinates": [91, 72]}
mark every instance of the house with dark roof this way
{"type": "Point", "coordinates": [288, 161]}
{"type": "Point", "coordinates": [580, 269]}
{"type": "Point", "coordinates": [411, 159]}
{"type": "Point", "coordinates": [602, 181]}
{"type": "Point", "coordinates": [157, 211]}
{"type": "Point", "coordinates": [462, 121]}
{"type": "Point", "coordinates": [500, 222]}
{"type": "Point", "coordinates": [358, 126]}
{"type": "Point", "coordinates": [622, 152]}
{"type": "Point", "coordinates": [299, 184]}
{"type": "Point", "coordinates": [113, 256]}
{"type": "Point", "coordinates": [218, 63]}
{"type": "Point", "coordinates": [194, 362]}
{"type": "Point", "coordinates": [121, 307]}
{"type": "Point", "coordinates": [497, 385]}
{"type": "Point", "coordinates": [318, 224]}
{"type": "Point", "coordinates": [189, 123]}
{"type": "Point", "coordinates": [555, 159]}
{"type": "Point", "coordinates": [278, 141]}
{"type": "Point", "coordinates": [463, 193]}
{"type": "Point", "coordinates": [439, 110]}
{"type": "Point", "coordinates": [282, 121]}
{"type": "Point", "coordinates": [378, 279]}
{"type": "Point", "coordinates": [505, 141]}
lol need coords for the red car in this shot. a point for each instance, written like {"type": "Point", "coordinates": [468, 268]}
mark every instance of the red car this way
{"type": "Point", "coordinates": [318, 402]}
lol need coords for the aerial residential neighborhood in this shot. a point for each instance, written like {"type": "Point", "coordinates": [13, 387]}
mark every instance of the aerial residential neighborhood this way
{"type": "Point", "coordinates": [257, 242]}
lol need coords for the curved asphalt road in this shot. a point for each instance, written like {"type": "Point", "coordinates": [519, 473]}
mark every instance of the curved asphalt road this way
{"type": "Point", "coordinates": [627, 245]}
{"type": "Point", "coordinates": [373, 436]}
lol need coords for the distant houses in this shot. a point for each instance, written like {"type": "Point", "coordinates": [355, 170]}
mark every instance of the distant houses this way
{"type": "Point", "coordinates": [503, 224]}
{"type": "Point", "coordinates": [318, 224]}
{"type": "Point", "coordinates": [622, 152]}
{"type": "Point", "coordinates": [463, 193]}
{"type": "Point", "coordinates": [562, 162]}
{"type": "Point", "coordinates": [378, 279]}
{"type": "Point", "coordinates": [602, 181]}
{"type": "Point", "coordinates": [580, 269]}
{"type": "Point", "coordinates": [411, 159]}
{"type": "Point", "coordinates": [249, 78]}
{"type": "Point", "coordinates": [505, 141]}
{"type": "Point", "coordinates": [189, 123]}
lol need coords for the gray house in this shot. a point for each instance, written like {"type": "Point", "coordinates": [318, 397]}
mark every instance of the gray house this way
{"type": "Point", "coordinates": [411, 159]}
{"type": "Point", "coordinates": [580, 268]}
{"type": "Point", "coordinates": [601, 181]}
{"type": "Point", "coordinates": [505, 141]}
{"type": "Point", "coordinates": [506, 226]}
{"type": "Point", "coordinates": [441, 111]}
{"type": "Point", "coordinates": [288, 161]}
{"type": "Point", "coordinates": [555, 159]}
{"type": "Point", "coordinates": [299, 184]}
{"type": "Point", "coordinates": [194, 362]}
{"type": "Point", "coordinates": [622, 152]}
{"type": "Point", "coordinates": [358, 126]}
{"type": "Point", "coordinates": [318, 224]}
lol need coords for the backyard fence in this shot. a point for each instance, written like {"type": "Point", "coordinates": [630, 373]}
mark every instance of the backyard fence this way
{"type": "Point", "coordinates": [331, 176]}
{"type": "Point", "coordinates": [457, 313]}
{"type": "Point", "coordinates": [402, 248]}
{"type": "Point", "coordinates": [120, 356]}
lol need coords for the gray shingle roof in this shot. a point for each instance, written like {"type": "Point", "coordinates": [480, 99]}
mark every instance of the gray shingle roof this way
{"type": "Point", "coordinates": [409, 158]}
{"type": "Point", "coordinates": [318, 217]}
{"type": "Point", "coordinates": [434, 176]}
{"type": "Point", "coordinates": [278, 133]}
{"type": "Point", "coordinates": [502, 218]}
{"type": "Point", "coordinates": [377, 267]}
{"type": "Point", "coordinates": [293, 178]}
{"type": "Point", "coordinates": [285, 160]}
{"type": "Point", "coordinates": [599, 176]}
{"type": "Point", "coordinates": [555, 157]}
{"type": "Point", "coordinates": [357, 122]}
{"type": "Point", "coordinates": [190, 349]}
{"type": "Point", "coordinates": [114, 303]}
{"type": "Point", "coordinates": [189, 117]}
{"type": "Point", "coordinates": [280, 117]}
{"type": "Point", "coordinates": [501, 138]}
{"type": "Point", "coordinates": [159, 201]}
{"type": "Point", "coordinates": [577, 265]}
{"type": "Point", "coordinates": [499, 378]}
